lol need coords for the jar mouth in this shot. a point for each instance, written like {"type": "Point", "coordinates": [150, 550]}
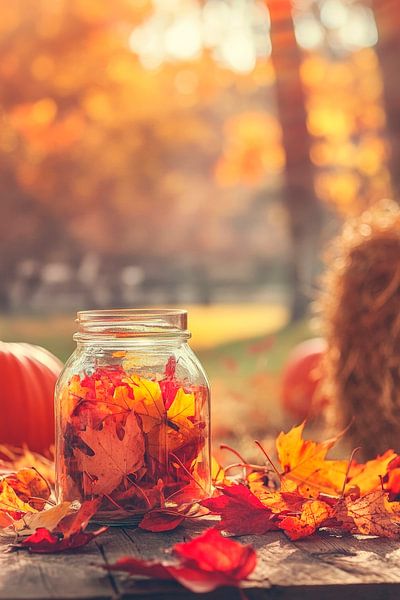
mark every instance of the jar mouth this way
{"type": "Point", "coordinates": [131, 323]}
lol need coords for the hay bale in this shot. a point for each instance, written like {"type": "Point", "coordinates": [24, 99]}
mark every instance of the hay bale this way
{"type": "Point", "coordinates": [360, 309]}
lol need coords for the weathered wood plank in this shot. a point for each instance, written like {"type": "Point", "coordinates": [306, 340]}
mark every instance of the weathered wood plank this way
{"type": "Point", "coordinates": [319, 568]}
{"type": "Point", "coordinates": [25, 576]}
{"type": "Point", "coordinates": [368, 560]}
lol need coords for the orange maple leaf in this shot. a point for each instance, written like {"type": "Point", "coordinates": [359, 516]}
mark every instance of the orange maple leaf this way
{"type": "Point", "coordinates": [367, 477]}
{"type": "Point", "coordinates": [313, 515]}
{"type": "Point", "coordinates": [305, 467]}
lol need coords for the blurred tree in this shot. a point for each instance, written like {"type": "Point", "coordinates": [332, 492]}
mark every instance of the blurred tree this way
{"type": "Point", "coordinates": [104, 150]}
{"type": "Point", "coordinates": [116, 153]}
{"type": "Point", "coordinates": [305, 211]}
{"type": "Point", "coordinates": [387, 15]}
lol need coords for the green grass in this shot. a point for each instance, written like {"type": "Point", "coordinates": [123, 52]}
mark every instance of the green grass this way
{"type": "Point", "coordinates": [52, 332]}
{"type": "Point", "coordinates": [249, 354]}
{"type": "Point", "coordinates": [55, 334]}
{"type": "Point", "coordinates": [244, 374]}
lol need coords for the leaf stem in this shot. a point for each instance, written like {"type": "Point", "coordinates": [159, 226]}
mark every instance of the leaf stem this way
{"type": "Point", "coordinates": [354, 452]}
{"type": "Point", "coordinates": [258, 444]}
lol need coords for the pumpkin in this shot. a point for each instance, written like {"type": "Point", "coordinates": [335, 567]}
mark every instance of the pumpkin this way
{"type": "Point", "coordinates": [301, 379]}
{"type": "Point", "coordinates": [27, 379]}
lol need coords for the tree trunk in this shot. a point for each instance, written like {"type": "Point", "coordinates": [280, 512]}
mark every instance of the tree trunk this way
{"type": "Point", "coordinates": [305, 212]}
{"type": "Point", "coordinates": [387, 16]}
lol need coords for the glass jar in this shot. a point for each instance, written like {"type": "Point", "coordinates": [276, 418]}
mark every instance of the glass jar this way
{"type": "Point", "coordinates": [132, 415]}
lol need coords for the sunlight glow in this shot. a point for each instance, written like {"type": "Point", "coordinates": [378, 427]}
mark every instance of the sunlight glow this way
{"type": "Point", "coordinates": [359, 30]}
{"type": "Point", "coordinates": [183, 39]}
{"type": "Point", "coordinates": [235, 31]}
{"type": "Point", "coordinates": [333, 13]}
{"type": "Point", "coordinates": [342, 25]}
{"type": "Point", "coordinates": [309, 33]}
{"type": "Point", "coordinates": [238, 52]}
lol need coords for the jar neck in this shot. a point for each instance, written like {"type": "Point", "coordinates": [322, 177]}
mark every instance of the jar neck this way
{"type": "Point", "coordinates": [147, 345]}
{"type": "Point", "coordinates": [132, 327]}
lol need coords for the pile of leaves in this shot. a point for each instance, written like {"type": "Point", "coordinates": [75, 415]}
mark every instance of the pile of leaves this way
{"type": "Point", "coordinates": [28, 511]}
{"type": "Point", "coordinates": [308, 492]}
{"type": "Point", "coordinates": [303, 493]}
{"type": "Point", "coordinates": [134, 442]}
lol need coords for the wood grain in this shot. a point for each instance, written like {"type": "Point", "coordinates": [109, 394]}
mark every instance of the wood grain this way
{"type": "Point", "coordinates": [323, 567]}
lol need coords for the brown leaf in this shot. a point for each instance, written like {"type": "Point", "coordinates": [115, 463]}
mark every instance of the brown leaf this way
{"type": "Point", "coordinates": [373, 514]}
{"type": "Point", "coordinates": [162, 520]}
{"type": "Point", "coordinates": [113, 458]}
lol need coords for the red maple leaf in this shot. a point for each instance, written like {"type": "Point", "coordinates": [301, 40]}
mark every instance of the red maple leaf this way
{"type": "Point", "coordinates": [241, 511]}
{"type": "Point", "coordinates": [206, 562]}
{"type": "Point", "coordinates": [44, 542]}
{"type": "Point", "coordinates": [77, 522]}
{"type": "Point", "coordinates": [161, 520]}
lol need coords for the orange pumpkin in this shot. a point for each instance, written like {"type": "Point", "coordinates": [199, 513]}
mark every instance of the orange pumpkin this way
{"type": "Point", "coordinates": [301, 378]}
{"type": "Point", "coordinates": [27, 379]}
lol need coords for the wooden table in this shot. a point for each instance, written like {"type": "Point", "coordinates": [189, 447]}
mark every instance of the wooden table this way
{"type": "Point", "coordinates": [318, 568]}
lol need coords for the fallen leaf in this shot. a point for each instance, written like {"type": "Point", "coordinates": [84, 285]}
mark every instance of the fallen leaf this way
{"type": "Point", "coordinates": [369, 475]}
{"type": "Point", "coordinates": [14, 459]}
{"type": "Point", "coordinates": [161, 520]}
{"type": "Point", "coordinates": [313, 515]}
{"type": "Point", "coordinates": [373, 514]}
{"type": "Point", "coordinates": [241, 511]}
{"type": "Point", "coordinates": [391, 479]}
{"type": "Point", "coordinates": [47, 519]}
{"type": "Point", "coordinates": [217, 555]}
{"type": "Point", "coordinates": [45, 542]}
{"type": "Point", "coordinates": [6, 518]}
{"type": "Point", "coordinates": [30, 486]}
{"type": "Point", "coordinates": [137, 566]}
{"type": "Point", "coordinates": [277, 501]}
{"type": "Point", "coordinates": [305, 467]}
{"type": "Point", "coordinates": [206, 562]}
{"type": "Point", "coordinates": [10, 502]}
{"type": "Point", "coordinates": [73, 523]}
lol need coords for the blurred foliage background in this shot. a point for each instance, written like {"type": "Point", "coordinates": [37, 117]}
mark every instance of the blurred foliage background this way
{"type": "Point", "coordinates": [190, 153]}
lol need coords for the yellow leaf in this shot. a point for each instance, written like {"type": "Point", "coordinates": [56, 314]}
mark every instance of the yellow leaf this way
{"type": "Point", "coordinates": [9, 501]}
{"type": "Point", "coordinates": [305, 467]}
{"type": "Point", "coordinates": [148, 401]}
{"type": "Point", "coordinates": [47, 518]}
{"type": "Point", "coordinates": [182, 406]}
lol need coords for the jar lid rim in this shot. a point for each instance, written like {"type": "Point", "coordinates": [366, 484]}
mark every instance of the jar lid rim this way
{"type": "Point", "coordinates": [130, 313]}
{"type": "Point", "coordinates": [132, 322]}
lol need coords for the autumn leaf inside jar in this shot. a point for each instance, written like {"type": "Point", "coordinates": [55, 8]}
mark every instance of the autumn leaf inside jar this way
{"type": "Point", "coordinates": [132, 415]}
